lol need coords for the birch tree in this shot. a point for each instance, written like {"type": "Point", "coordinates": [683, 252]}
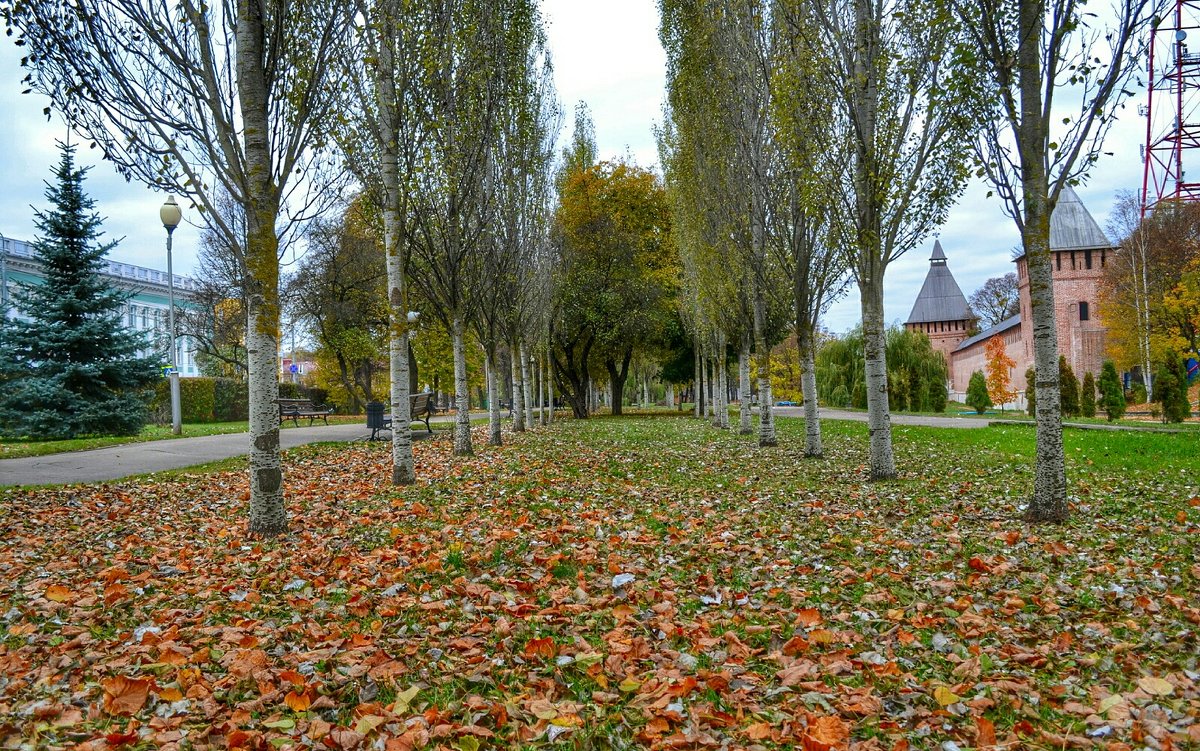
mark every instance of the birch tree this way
{"type": "Point", "coordinates": [1056, 73]}
{"type": "Point", "coordinates": [197, 99]}
{"type": "Point", "coordinates": [892, 68]}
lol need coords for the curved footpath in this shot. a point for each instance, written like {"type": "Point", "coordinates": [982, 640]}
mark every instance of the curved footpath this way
{"type": "Point", "coordinates": [115, 462]}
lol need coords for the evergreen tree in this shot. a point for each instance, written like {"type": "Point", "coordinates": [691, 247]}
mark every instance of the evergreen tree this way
{"type": "Point", "coordinates": [977, 393]}
{"type": "Point", "coordinates": [1068, 388]}
{"type": "Point", "coordinates": [1112, 395]}
{"type": "Point", "coordinates": [1030, 398]}
{"type": "Point", "coordinates": [1171, 388]}
{"type": "Point", "coordinates": [71, 368]}
{"type": "Point", "coordinates": [1087, 397]}
{"type": "Point", "coordinates": [937, 396]}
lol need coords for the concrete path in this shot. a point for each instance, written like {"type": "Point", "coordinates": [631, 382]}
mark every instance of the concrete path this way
{"type": "Point", "coordinates": [115, 462]}
{"type": "Point", "coordinates": [946, 421]}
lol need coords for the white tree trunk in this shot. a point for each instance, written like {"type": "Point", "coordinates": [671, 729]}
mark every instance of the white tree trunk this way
{"type": "Point", "coordinates": [808, 386]}
{"type": "Point", "coordinates": [462, 392]}
{"type": "Point", "coordinates": [698, 383]}
{"type": "Point", "coordinates": [268, 515]}
{"type": "Point", "coordinates": [708, 389]}
{"type": "Point", "coordinates": [549, 383]}
{"type": "Point", "coordinates": [879, 421]}
{"type": "Point", "coordinates": [518, 389]}
{"type": "Point", "coordinates": [495, 436]}
{"type": "Point", "coordinates": [745, 413]}
{"type": "Point", "coordinates": [670, 396]}
{"type": "Point", "coordinates": [526, 385]}
{"type": "Point", "coordinates": [766, 401]}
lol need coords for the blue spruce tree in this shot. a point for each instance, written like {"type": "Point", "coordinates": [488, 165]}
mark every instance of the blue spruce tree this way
{"type": "Point", "coordinates": [69, 366]}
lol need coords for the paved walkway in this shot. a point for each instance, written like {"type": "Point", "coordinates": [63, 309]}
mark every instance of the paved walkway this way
{"type": "Point", "coordinates": [926, 420]}
{"type": "Point", "coordinates": [115, 462]}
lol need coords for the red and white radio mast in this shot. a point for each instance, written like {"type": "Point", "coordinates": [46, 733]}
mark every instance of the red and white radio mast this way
{"type": "Point", "coordinates": [1172, 109]}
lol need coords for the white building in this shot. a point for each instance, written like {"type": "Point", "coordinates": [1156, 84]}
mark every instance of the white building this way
{"type": "Point", "coordinates": [146, 309]}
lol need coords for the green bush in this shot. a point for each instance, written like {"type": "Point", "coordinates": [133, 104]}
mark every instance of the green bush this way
{"type": "Point", "coordinates": [1112, 396]}
{"type": "Point", "coordinates": [937, 396]}
{"type": "Point", "coordinates": [1137, 393]}
{"type": "Point", "coordinates": [231, 400]}
{"type": "Point", "coordinates": [1068, 388]}
{"type": "Point", "coordinates": [289, 390]}
{"type": "Point", "coordinates": [840, 397]}
{"type": "Point", "coordinates": [1087, 397]}
{"type": "Point", "coordinates": [318, 396]}
{"type": "Point", "coordinates": [977, 393]}
{"type": "Point", "coordinates": [196, 400]}
{"type": "Point", "coordinates": [1171, 388]}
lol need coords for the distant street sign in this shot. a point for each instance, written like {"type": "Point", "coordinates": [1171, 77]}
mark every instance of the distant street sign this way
{"type": "Point", "coordinates": [295, 368]}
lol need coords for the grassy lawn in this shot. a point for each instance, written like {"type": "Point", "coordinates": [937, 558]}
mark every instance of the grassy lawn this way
{"type": "Point", "coordinates": [618, 583]}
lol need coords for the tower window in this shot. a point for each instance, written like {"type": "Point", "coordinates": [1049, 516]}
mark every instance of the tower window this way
{"type": "Point", "coordinates": [1087, 258]}
{"type": "Point", "coordinates": [1058, 261]}
{"type": "Point", "coordinates": [1083, 311]}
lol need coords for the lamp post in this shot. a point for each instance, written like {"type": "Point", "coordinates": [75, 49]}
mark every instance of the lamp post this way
{"type": "Point", "coordinates": [171, 214]}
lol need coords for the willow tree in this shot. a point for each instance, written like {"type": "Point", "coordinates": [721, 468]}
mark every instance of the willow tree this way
{"type": "Point", "coordinates": [892, 67]}
{"type": "Point", "coordinates": [197, 99]}
{"type": "Point", "coordinates": [1056, 73]}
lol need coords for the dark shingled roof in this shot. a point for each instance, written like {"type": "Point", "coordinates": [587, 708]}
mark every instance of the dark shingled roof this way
{"type": "Point", "coordinates": [1072, 226]}
{"type": "Point", "coordinates": [940, 298]}
{"type": "Point", "coordinates": [999, 328]}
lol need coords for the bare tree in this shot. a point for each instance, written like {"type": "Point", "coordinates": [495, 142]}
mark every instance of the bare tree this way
{"type": "Point", "coordinates": [996, 300]}
{"type": "Point", "coordinates": [200, 98]}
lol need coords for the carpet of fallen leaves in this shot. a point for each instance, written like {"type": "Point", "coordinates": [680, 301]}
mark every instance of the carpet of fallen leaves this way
{"type": "Point", "coordinates": [618, 583]}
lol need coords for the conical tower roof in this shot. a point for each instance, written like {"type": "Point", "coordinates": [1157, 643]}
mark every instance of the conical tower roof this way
{"type": "Point", "coordinates": [1072, 225]}
{"type": "Point", "coordinates": [940, 298]}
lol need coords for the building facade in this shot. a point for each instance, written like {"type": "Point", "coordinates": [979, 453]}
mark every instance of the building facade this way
{"type": "Point", "coordinates": [145, 310]}
{"type": "Point", "coordinates": [1080, 250]}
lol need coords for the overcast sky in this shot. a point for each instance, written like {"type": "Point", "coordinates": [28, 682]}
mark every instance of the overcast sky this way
{"type": "Point", "coordinates": [606, 54]}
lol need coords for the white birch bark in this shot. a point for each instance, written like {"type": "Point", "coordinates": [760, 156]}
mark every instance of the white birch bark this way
{"type": "Point", "coordinates": [495, 437]}
{"type": "Point", "coordinates": [670, 396]}
{"type": "Point", "coordinates": [766, 401]}
{"type": "Point", "coordinates": [808, 386]}
{"type": "Point", "coordinates": [518, 390]}
{"type": "Point", "coordinates": [698, 383]}
{"type": "Point", "coordinates": [267, 513]}
{"type": "Point", "coordinates": [746, 417]}
{"type": "Point", "coordinates": [879, 421]}
{"type": "Point", "coordinates": [462, 393]}
{"type": "Point", "coordinates": [526, 385]}
{"type": "Point", "coordinates": [549, 387]}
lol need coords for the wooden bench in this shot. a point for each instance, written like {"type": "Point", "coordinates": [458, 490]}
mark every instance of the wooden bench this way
{"type": "Point", "coordinates": [294, 409]}
{"type": "Point", "coordinates": [420, 408]}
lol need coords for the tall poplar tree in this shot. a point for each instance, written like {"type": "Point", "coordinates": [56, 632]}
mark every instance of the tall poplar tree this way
{"type": "Point", "coordinates": [70, 366]}
{"type": "Point", "coordinates": [893, 69]}
{"type": "Point", "coordinates": [206, 99]}
{"type": "Point", "coordinates": [1056, 74]}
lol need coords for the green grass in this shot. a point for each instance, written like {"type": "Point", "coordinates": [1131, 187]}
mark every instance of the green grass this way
{"type": "Point", "coordinates": [14, 449]}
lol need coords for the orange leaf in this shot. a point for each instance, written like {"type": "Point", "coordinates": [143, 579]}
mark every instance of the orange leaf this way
{"type": "Point", "coordinates": [59, 593]}
{"type": "Point", "coordinates": [986, 732]}
{"type": "Point", "coordinates": [759, 731]}
{"type": "Point", "coordinates": [808, 617]}
{"type": "Point", "coordinates": [298, 702]}
{"type": "Point", "coordinates": [292, 677]}
{"type": "Point", "coordinates": [125, 695]}
{"type": "Point", "coordinates": [170, 694]}
{"type": "Point", "coordinates": [543, 647]}
{"type": "Point", "coordinates": [825, 733]}
{"type": "Point", "coordinates": [978, 564]}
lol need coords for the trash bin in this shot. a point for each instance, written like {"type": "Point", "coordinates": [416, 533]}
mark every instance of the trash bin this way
{"type": "Point", "coordinates": [376, 418]}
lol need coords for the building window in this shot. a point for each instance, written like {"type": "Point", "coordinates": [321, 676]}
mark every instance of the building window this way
{"type": "Point", "coordinates": [1083, 311]}
{"type": "Point", "coordinates": [1058, 261]}
{"type": "Point", "coordinates": [1087, 258]}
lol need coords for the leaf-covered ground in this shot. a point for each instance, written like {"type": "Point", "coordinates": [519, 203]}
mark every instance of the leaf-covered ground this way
{"type": "Point", "coordinates": [616, 583]}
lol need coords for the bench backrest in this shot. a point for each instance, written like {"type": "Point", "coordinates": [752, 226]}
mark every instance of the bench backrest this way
{"type": "Point", "coordinates": [295, 405]}
{"type": "Point", "coordinates": [420, 403]}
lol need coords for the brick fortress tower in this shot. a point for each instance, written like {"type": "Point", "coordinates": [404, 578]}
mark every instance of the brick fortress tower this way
{"type": "Point", "coordinates": [1079, 251]}
{"type": "Point", "coordinates": [941, 310]}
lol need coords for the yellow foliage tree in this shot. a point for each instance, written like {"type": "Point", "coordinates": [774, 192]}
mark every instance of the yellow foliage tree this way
{"type": "Point", "coordinates": [999, 372]}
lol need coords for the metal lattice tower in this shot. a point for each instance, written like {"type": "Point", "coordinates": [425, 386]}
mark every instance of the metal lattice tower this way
{"type": "Point", "coordinates": [1172, 108]}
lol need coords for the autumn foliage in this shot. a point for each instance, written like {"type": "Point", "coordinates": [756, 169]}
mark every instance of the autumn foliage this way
{"type": "Point", "coordinates": [999, 371]}
{"type": "Point", "coordinates": [588, 587]}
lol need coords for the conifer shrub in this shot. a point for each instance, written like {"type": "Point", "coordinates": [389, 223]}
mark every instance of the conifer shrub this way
{"type": "Point", "coordinates": [1087, 397]}
{"type": "Point", "coordinates": [1068, 388]}
{"type": "Point", "coordinates": [977, 393]}
{"type": "Point", "coordinates": [1112, 395]}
